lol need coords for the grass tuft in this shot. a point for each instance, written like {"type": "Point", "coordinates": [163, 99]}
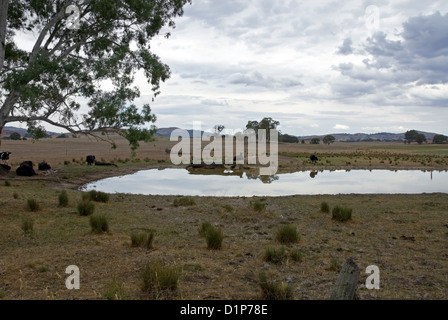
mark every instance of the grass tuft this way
{"type": "Point", "coordinates": [274, 290]}
{"type": "Point", "coordinates": [63, 199]}
{"type": "Point", "coordinates": [275, 255]}
{"type": "Point", "coordinates": [184, 202]}
{"type": "Point", "coordinates": [287, 234]}
{"type": "Point", "coordinates": [27, 225]}
{"type": "Point", "coordinates": [32, 205]}
{"type": "Point", "coordinates": [86, 208]}
{"type": "Point", "coordinates": [115, 291]}
{"type": "Point", "coordinates": [342, 214]}
{"type": "Point", "coordinates": [160, 280]}
{"type": "Point", "coordinates": [324, 207]}
{"type": "Point", "coordinates": [98, 223]}
{"type": "Point", "coordinates": [7, 183]}
{"type": "Point", "coordinates": [142, 239]}
{"type": "Point", "coordinates": [258, 206]}
{"type": "Point", "coordinates": [96, 196]}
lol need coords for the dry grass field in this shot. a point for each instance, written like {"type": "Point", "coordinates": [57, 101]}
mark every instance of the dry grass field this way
{"type": "Point", "coordinates": [406, 236]}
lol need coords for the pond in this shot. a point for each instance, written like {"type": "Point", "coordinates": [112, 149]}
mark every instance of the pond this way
{"type": "Point", "coordinates": [228, 183]}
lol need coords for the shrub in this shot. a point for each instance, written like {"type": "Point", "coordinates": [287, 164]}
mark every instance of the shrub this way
{"type": "Point", "coordinates": [273, 290]}
{"type": "Point", "coordinates": [7, 183]}
{"type": "Point", "coordinates": [228, 208]}
{"type": "Point", "coordinates": [214, 238]}
{"type": "Point", "coordinates": [324, 207]}
{"type": "Point", "coordinates": [86, 208]}
{"type": "Point", "coordinates": [334, 265]}
{"type": "Point", "coordinates": [142, 239]}
{"type": "Point", "coordinates": [98, 223]}
{"type": "Point", "coordinates": [296, 255]}
{"type": "Point", "coordinates": [287, 234]}
{"type": "Point", "coordinates": [205, 227]}
{"type": "Point", "coordinates": [96, 196]}
{"type": "Point", "coordinates": [275, 255]}
{"type": "Point", "coordinates": [115, 291]}
{"type": "Point", "coordinates": [184, 202]}
{"type": "Point", "coordinates": [66, 162]}
{"type": "Point", "coordinates": [15, 195]}
{"type": "Point", "coordinates": [258, 206]}
{"type": "Point", "coordinates": [159, 279]}
{"type": "Point", "coordinates": [341, 213]}
{"type": "Point", "coordinates": [27, 225]}
{"type": "Point", "coordinates": [32, 205]}
{"type": "Point", "coordinates": [63, 199]}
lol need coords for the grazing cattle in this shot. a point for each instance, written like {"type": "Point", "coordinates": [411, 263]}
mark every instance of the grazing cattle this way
{"type": "Point", "coordinates": [4, 156]}
{"type": "Point", "coordinates": [44, 166]}
{"type": "Point", "coordinates": [313, 158]}
{"type": "Point", "coordinates": [90, 160]}
{"type": "Point", "coordinates": [26, 169]}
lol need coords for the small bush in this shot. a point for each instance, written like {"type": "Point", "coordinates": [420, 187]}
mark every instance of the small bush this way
{"type": "Point", "coordinates": [214, 238]}
{"type": "Point", "coordinates": [32, 205]}
{"type": "Point", "coordinates": [184, 202]}
{"type": "Point", "coordinates": [287, 234]}
{"type": "Point", "coordinates": [258, 206]}
{"type": "Point", "coordinates": [205, 227]}
{"type": "Point", "coordinates": [275, 255]}
{"type": "Point", "coordinates": [228, 208]}
{"type": "Point", "coordinates": [324, 207]}
{"type": "Point", "coordinates": [115, 291]}
{"type": "Point", "coordinates": [27, 225]}
{"type": "Point", "coordinates": [159, 279]}
{"type": "Point", "coordinates": [96, 196]}
{"type": "Point", "coordinates": [86, 208]}
{"type": "Point", "coordinates": [98, 223]}
{"type": "Point", "coordinates": [342, 214]}
{"type": "Point", "coordinates": [274, 290]}
{"type": "Point", "coordinates": [7, 183]}
{"type": "Point", "coordinates": [15, 195]}
{"type": "Point", "coordinates": [63, 199]}
{"type": "Point", "coordinates": [334, 265]}
{"type": "Point", "coordinates": [66, 162]}
{"type": "Point", "coordinates": [296, 255]}
{"type": "Point", "coordinates": [142, 239]}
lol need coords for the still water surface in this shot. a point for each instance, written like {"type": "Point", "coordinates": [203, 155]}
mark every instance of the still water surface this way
{"type": "Point", "coordinates": [228, 183]}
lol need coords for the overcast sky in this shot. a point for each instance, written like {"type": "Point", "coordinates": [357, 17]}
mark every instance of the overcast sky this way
{"type": "Point", "coordinates": [316, 66]}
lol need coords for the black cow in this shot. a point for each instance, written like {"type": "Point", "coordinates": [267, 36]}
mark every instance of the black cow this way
{"type": "Point", "coordinates": [26, 169]}
{"type": "Point", "coordinates": [4, 156]}
{"type": "Point", "coordinates": [313, 158]}
{"type": "Point", "coordinates": [44, 166]}
{"type": "Point", "coordinates": [90, 160]}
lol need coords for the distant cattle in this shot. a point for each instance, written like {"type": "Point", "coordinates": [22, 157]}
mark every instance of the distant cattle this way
{"type": "Point", "coordinates": [90, 160]}
{"type": "Point", "coordinates": [44, 166]}
{"type": "Point", "coordinates": [313, 158]}
{"type": "Point", "coordinates": [4, 156]}
{"type": "Point", "coordinates": [26, 169]}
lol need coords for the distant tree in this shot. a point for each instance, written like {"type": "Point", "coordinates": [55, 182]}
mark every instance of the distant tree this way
{"type": "Point", "coordinates": [411, 136]}
{"type": "Point", "coordinates": [328, 139]}
{"type": "Point", "coordinates": [218, 128]}
{"type": "Point", "coordinates": [303, 141]}
{"type": "Point", "coordinates": [315, 141]}
{"type": "Point", "coordinates": [288, 138]}
{"type": "Point", "coordinates": [420, 138]}
{"type": "Point", "coordinates": [15, 136]}
{"type": "Point", "coordinates": [440, 139]}
{"type": "Point", "coordinates": [267, 123]}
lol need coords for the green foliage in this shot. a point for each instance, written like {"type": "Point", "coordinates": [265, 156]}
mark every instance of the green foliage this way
{"type": "Point", "coordinates": [440, 139]}
{"type": "Point", "coordinates": [142, 239]}
{"type": "Point", "coordinates": [328, 139]}
{"type": "Point", "coordinates": [63, 199]}
{"type": "Point", "coordinates": [315, 141]}
{"type": "Point", "coordinates": [160, 280]}
{"type": "Point", "coordinates": [96, 196]}
{"type": "Point", "coordinates": [15, 136]}
{"type": "Point", "coordinates": [335, 265]}
{"type": "Point", "coordinates": [15, 195]}
{"type": "Point", "coordinates": [228, 208]}
{"type": "Point", "coordinates": [205, 227]}
{"type": "Point", "coordinates": [32, 205]}
{"type": "Point", "coordinates": [325, 207]}
{"type": "Point", "coordinates": [115, 291]}
{"type": "Point", "coordinates": [287, 234]}
{"type": "Point", "coordinates": [275, 255]}
{"type": "Point", "coordinates": [73, 62]}
{"type": "Point", "coordinates": [296, 255]}
{"type": "Point", "coordinates": [258, 205]}
{"type": "Point", "coordinates": [341, 213]}
{"type": "Point", "coordinates": [274, 290]}
{"type": "Point", "coordinates": [184, 202]}
{"type": "Point", "coordinates": [98, 223]}
{"type": "Point", "coordinates": [267, 124]}
{"type": "Point", "coordinates": [27, 225]}
{"type": "Point", "coordinates": [86, 208]}
{"type": "Point", "coordinates": [214, 237]}
{"type": "Point", "coordinates": [7, 183]}
{"type": "Point", "coordinates": [288, 138]}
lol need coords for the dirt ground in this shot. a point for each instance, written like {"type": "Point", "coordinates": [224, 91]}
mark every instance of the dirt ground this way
{"type": "Point", "coordinates": [406, 236]}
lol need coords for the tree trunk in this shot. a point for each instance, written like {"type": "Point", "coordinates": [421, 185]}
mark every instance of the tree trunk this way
{"type": "Point", "coordinates": [345, 287]}
{"type": "Point", "coordinates": [3, 21]}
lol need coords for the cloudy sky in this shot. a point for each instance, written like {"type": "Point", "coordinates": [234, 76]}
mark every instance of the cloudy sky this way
{"type": "Point", "coordinates": [316, 66]}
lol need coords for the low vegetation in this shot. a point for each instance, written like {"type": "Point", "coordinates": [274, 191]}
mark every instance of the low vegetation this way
{"type": "Point", "coordinates": [63, 199]}
{"type": "Point", "coordinates": [27, 225]}
{"type": "Point", "coordinates": [287, 234]}
{"type": "Point", "coordinates": [342, 214]}
{"type": "Point", "coordinates": [184, 202]}
{"type": "Point", "coordinates": [96, 196]}
{"type": "Point", "coordinates": [160, 280]}
{"type": "Point", "coordinates": [98, 223]}
{"type": "Point", "coordinates": [275, 255]}
{"type": "Point", "coordinates": [325, 207]}
{"type": "Point", "coordinates": [32, 205]}
{"type": "Point", "coordinates": [142, 238]}
{"type": "Point", "coordinates": [274, 290]}
{"type": "Point", "coordinates": [258, 205]}
{"type": "Point", "coordinates": [86, 208]}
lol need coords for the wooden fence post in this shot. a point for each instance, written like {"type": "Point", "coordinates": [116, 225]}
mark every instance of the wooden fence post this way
{"type": "Point", "coordinates": [347, 282]}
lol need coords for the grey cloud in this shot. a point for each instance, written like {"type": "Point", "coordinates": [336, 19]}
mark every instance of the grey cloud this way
{"type": "Point", "coordinates": [258, 80]}
{"type": "Point", "coordinates": [346, 47]}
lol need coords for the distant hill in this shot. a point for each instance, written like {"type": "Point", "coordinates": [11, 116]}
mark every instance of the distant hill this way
{"type": "Point", "coordinates": [382, 136]}
{"type": "Point", "coordinates": [8, 130]}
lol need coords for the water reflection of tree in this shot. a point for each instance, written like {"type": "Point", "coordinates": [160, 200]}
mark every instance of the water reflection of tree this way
{"type": "Point", "coordinates": [313, 173]}
{"type": "Point", "coordinates": [264, 179]}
